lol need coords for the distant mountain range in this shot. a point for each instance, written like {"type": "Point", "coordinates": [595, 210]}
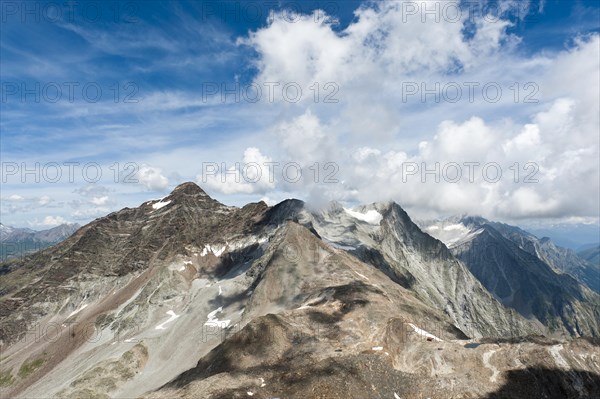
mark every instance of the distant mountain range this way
{"type": "Point", "coordinates": [185, 297]}
{"type": "Point", "coordinates": [15, 241]}
{"type": "Point", "coordinates": [590, 254]}
{"type": "Point", "coordinates": [533, 276]}
{"type": "Point", "coordinates": [459, 230]}
{"type": "Point", "coordinates": [572, 236]}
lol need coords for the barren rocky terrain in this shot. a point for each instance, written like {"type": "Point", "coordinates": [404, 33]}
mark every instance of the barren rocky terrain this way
{"type": "Point", "coordinates": [186, 297]}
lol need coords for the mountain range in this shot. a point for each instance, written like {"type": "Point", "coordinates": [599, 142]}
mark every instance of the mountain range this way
{"type": "Point", "coordinates": [187, 297]}
{"type": "Point", "coordinates": [533, 276]}
{"type": "Point", "coordinates": [16, 241]}
{"type": "Point", "coordinates": [590, 254]}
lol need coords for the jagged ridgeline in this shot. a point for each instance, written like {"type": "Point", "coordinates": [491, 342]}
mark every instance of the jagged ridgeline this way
{"type": "Point", "coordinates": [187, 297]}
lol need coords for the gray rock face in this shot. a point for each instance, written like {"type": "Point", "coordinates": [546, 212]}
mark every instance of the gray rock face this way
{"type": "Point", "coordinates": [562, 260]}
{"type": "Point", "coordinates": [422, 264]}
{"type": "Point", "coordinates": [510, 264]}
{"type": "Point", "coordinates": [187, 297]}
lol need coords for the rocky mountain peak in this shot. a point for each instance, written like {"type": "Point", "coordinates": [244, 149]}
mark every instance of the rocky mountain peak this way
{"type": "Point", "coordinates": [335, 206]}
{"type": "Point", "coordinates": [190, 195]}
{"type": "Point", "coordinates": [188, 188]}
{"type": "Point", "coordinates": [474, 221]}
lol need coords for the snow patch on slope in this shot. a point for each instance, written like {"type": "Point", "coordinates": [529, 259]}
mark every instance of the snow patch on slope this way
{"type": "Point", "coordinates": [180, 265]}
{"type": "Point", "coordinates": [218, 250]}
{"type": "Point", "coordinates": [424, 333]}
{"type": "Point", "coordinates": [172, 317]}
{"type": "Point", "coordinates": [361, 275]}
{"type": "Point", "coordinates": [160, 204]}
{"type": "Point", "coordinates": [73, 313]}
{"type": "Point", "coordinates": [214, 321]}
{"type": "Point", "coordinates": [452, 234]}
{"type": "Point", "coordinates": [371, 216]}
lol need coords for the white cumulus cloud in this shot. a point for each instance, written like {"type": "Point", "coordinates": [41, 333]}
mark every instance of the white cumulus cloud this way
{"type": "Point", "coordinates": [542, 134]}
{"type": "Point", "coordinates": [152, 178]}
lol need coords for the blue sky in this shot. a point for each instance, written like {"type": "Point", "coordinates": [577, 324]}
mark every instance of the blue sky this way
{"type": "Point", "coordinates": [154, 63]}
